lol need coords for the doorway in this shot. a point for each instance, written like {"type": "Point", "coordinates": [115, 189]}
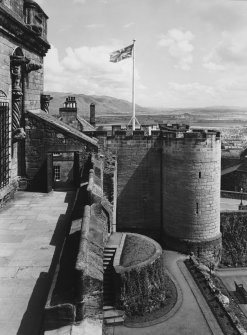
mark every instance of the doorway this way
{"type": "Point", "coordinates": [65, 171]}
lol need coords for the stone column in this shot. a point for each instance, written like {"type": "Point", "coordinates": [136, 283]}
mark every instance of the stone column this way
{"type": "Point", "coordinates": [45, 102]}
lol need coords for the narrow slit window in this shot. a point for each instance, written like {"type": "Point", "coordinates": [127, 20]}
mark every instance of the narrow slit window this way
{"type": "Point", "coordinates": [200, 174]}
{"type": "Point", "coordinates": [197, 207]}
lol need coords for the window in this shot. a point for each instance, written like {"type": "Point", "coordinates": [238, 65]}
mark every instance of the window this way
{"type": "Point", "coordinates": [200, 174]}
{"type": "Point", "coordinates": [197, 208]}
{"type": "Point", "coordinates": [4, 144]}
{"type": "Point", "coordinates": [56, 171]}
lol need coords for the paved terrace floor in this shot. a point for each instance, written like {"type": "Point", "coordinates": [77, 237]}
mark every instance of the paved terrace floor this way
{"type": "Point", "coordinates": [32, 227]}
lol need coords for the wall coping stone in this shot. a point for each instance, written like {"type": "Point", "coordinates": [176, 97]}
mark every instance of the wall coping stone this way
{"type": "Point", "coordinates": [158, 252]}
{"type": "Point", "coordinates": [117, 257]}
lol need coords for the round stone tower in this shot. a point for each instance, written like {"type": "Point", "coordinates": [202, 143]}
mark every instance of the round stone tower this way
{"type": "Point", "coordinates": [191, 193]}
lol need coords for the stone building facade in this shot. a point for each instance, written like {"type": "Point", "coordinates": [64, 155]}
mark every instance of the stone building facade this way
{"type": "Point", "coordinates": [23, 45]}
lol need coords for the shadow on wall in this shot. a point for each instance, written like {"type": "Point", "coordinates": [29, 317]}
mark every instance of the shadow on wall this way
{"type": "Point", "coordinates": [139, 189]}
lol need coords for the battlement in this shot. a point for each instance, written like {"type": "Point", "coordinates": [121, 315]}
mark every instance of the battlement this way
{"type": "Point", "coordinates": [175, 132]}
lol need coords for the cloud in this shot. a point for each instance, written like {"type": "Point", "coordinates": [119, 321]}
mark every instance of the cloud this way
{"type": "Point", "coordinates": [180, 48]}
{"type": "Point", "coordinates": [230, 52]}
{"type": "Point", "coordinates": [79, 1]}
{"type": "Point", "coordinates": [193, 88]}
{"type": "Point", "coordinates": [95, 25]}
{"type": "Point", "coordinates": [40, 2]}
{"type": "Point", "coordinates": [88, 70]}
{"type": "Point", "coordinates": [128, 25]}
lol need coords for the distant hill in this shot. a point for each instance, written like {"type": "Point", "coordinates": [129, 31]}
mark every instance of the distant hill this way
{"type": "Point", "coordinates": [104, 105]}
{"type": "Point", "coordinates": [113, 108]}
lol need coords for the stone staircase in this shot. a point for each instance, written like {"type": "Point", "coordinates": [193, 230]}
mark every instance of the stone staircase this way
{"type": "Point", "coordinates": [112, 316]}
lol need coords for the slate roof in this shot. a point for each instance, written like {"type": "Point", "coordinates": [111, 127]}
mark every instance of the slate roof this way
{"type": "Point", "coordinates": [230, 169]}
{"type": "Point", "coordinates": [62, 126]}
{"type": "Point", "coordinates": [86, 125]}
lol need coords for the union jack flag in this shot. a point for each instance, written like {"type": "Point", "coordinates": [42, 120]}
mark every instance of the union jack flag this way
{"type": "Point", "coordinates": [117, 56]}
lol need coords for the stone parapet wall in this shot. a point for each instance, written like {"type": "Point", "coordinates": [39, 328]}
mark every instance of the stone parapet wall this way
{"type": "Point", "coordinates": [89, 235]}
{"type": "Point", "coordinates": [233, 195]}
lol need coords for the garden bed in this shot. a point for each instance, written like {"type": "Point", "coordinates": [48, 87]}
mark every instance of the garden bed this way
{"type": "Point", "coordinates": [140, 276]}
{"type": "Point", "coordinates": [223, 306]}
{"type": "Point", "coordinates": [153, 317]}
{"type": "Point", "coordinates": [234, 239]}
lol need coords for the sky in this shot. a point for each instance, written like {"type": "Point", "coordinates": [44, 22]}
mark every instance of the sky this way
{"type": "Point", "coordinates": [188, 53]}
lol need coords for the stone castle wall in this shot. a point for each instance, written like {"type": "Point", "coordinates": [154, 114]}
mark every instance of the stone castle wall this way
{"type": "Point", "coordinates": [43, 138]}
{"type": "Point", "coordinates": [16, 35]}
{"type": "Point", "coordinates": [138, 181]}
{"type": "Point", "coordinates": [191, 187]}
{"type": "Point", "coordinates": [169, 183]}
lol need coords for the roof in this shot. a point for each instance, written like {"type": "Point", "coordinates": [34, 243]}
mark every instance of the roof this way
{"type": "Point", "coordinates": [230, 169]}
{"type": "Point", "coordinates": [62, 126]}
{"type": "Point", "coordinates": [86, 125]}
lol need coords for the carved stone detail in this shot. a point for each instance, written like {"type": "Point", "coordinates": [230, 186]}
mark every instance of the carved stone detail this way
{"type": "Point", "coordinates": [32, 66]}
{"type": "Point", "coordinates": [17, 63]}
{"type": "Point", "coordinates": [20, 32]}
{"type": "Point", "coordinates": [45, 102]}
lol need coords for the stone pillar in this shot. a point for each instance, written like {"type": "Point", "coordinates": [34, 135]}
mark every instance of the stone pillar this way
{"type": "Point", "coordinates": [45, 102]}
{"type": "Point", "coordinates": [92, 114]}
{"type": "Point", "coordinates": [17, 63]}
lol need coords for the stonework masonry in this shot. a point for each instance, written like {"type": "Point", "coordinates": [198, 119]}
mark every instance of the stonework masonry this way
{"type": "Point", "coordinates": [138, 181]}
{"type": "Point", "coordinates": [191, 189]}
{"type": "Point", "coordinates": [168, 184]}
{"type": "Point", "coordinates": [44, 138]}
{"type": "Point", "coordinates": [22, 50]}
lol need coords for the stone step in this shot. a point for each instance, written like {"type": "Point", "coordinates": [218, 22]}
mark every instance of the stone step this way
{"type": "Point", "coordinates": [108, 308]}
{"type": "Point", "coordinates": [114, 321]}
{"type": "Point", "coordinates": [108, 259]}
{"type": "Point", "coordinates": [115, 313]}
{"type": "Point", "coordinates": [109, 302]}
{"type": "Point", "coordinates": [109, 252]}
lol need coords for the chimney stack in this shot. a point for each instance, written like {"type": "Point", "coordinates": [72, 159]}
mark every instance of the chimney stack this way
{"type": "Point", "coordinates": [92, 114]}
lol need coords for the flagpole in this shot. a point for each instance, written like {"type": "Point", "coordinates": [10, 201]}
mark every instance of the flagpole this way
{"type": "Point", "coordinates": [133, 90]}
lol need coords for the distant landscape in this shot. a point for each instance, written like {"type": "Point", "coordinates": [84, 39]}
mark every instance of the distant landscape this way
{"type": "Point", "coordinates": [111, 110]}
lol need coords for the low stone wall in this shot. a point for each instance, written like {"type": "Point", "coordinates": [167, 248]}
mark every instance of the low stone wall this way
{"type": "Point", "coordinates": [89, 264]}
{"type": "Point", "coordinates": [140, 276]}
{"type": "Point", "coordinates": [233, 195]}
{"type": "Point", "coordinates": [88, 235]}
{"type": "Point", "coordinates": [217, 297]}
